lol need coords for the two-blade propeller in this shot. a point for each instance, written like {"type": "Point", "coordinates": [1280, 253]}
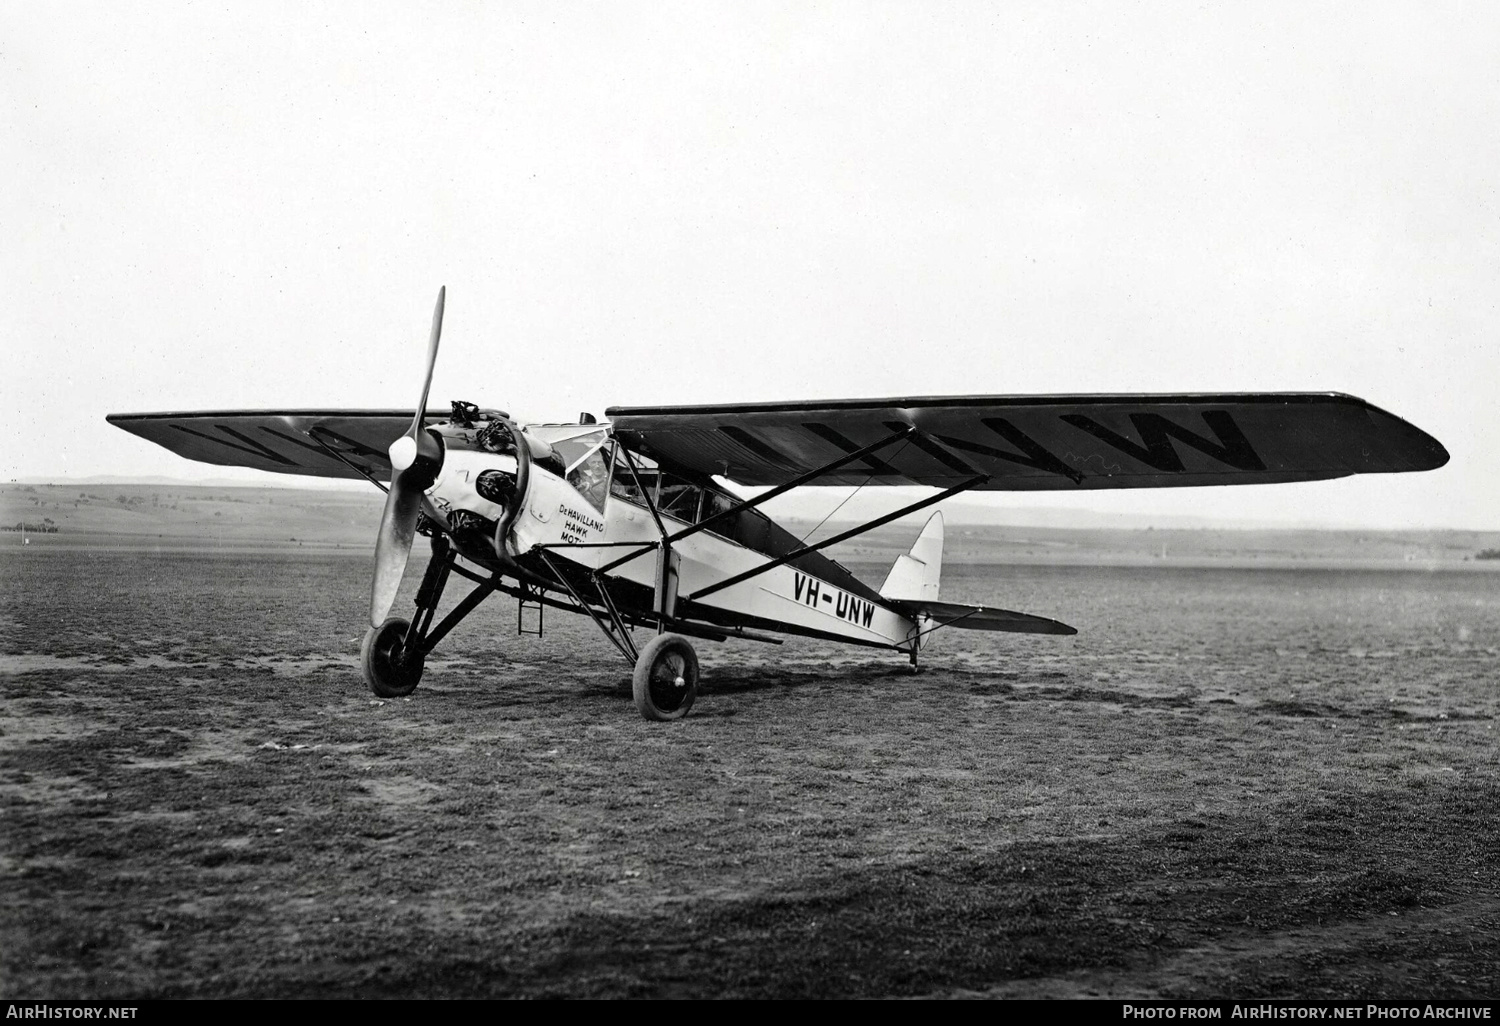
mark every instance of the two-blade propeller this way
{"type": "Point", "coordinates": [416, 458]}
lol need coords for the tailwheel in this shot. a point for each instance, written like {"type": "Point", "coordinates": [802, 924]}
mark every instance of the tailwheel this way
{"type": "Point", "coordinates": [387, 668]}
{"type": "Point", "coordinates": [666, 678]}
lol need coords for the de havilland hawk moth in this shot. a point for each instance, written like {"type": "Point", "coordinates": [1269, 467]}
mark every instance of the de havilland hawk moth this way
{"type": "Point", "coordinates": [632, 521]}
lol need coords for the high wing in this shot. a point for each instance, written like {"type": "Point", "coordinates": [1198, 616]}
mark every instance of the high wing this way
{"type": "Point", "coordinates": [1033, 443]}
{"type": "Point", "coordinates": [318, 443]}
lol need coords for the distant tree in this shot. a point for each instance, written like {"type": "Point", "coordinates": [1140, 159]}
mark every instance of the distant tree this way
{"type": "Point", "coordinates": [1488, 554]}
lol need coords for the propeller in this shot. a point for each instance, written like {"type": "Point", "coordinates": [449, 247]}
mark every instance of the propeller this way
{"type": "Point", "coordinates": [416, 458]}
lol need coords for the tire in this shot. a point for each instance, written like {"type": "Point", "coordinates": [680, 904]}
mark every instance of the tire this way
{"type": "Point", "coordinates": [380, 658]}
{"type": "Point", "coordinates": [666, 660]}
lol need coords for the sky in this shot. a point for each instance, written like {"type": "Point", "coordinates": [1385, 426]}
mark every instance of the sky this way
{"type": "Point", "coordinates": [253, 205]}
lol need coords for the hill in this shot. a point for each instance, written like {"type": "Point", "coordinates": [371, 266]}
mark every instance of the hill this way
{"type": "Point", "coordinates": [177, 517]}
{"type": "Point", "coordinates": [192, 517]}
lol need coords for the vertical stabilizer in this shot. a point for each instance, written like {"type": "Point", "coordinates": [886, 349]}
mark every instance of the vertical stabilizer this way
{"type": "Point", "coordinates": [915, 576]}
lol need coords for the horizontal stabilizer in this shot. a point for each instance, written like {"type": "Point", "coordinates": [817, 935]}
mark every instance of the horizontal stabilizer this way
{"type": "Point", "coordinates": [981, 618]}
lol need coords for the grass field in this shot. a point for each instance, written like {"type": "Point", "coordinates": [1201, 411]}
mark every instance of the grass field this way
{"type": "Point", "coordinates": [1231, 783]}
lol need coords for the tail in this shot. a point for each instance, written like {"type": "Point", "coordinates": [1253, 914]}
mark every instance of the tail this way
{"type": "Point", "coordinates": [916, 575]}
{"type": "Point", "coordinates": [911, 588]}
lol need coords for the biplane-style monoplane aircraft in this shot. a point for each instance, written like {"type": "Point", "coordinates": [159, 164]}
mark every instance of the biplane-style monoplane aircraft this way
{"type": "Point", "coordinates": [628, 521]}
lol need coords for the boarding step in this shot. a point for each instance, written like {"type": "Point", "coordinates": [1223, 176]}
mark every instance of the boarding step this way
{"type": "Point", "coordinates": [529, 614]}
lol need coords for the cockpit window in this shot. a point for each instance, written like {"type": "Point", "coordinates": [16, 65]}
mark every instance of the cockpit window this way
{"type": "Point", "coordinates": [714, 503]}
{"type": "Point", "coordinates": [672, 495]}
{"type": "Point", "coordinates": [624, 482]}
{"type": "Point", "coordinates": [677, 497]}
{"type": "Point", "coordinates": [572, 450]}
{"type": "Point", "coordinates": [590, 476]}
{"type": "Point", "coordinates": [691, 503]}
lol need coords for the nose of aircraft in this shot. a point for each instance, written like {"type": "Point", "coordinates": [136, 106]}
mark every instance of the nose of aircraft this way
{"type": "Point", "coordinates": [416, 459]}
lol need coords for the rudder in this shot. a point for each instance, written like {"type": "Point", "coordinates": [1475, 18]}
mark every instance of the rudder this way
{"type": "Point", "coordinates": [916, 575]}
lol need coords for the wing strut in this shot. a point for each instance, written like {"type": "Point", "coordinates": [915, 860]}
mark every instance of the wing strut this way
{"type": "Point", "coordinates": [797, 482]}
{"type": "Point", "coordinates": [361, 471]}
{"type": "Point", "coordinates": [666, 569]}
{"type": "Point", "coordinates": [902, 431]}
{"type": "Point", "coordinates": [616, 630]}
{"type": "Point", "coordinates": [861, 529]}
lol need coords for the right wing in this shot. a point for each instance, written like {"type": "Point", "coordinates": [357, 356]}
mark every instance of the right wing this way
{"type": "Point", "coordinates": [317, 443]}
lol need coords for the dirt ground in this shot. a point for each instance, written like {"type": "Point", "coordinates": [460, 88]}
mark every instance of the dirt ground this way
{"type": "Point", "coordinates": [1231, 783]}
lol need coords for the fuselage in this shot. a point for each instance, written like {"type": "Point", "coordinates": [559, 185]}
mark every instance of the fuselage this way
{"type": "Point", "coordinates": [580, 502]}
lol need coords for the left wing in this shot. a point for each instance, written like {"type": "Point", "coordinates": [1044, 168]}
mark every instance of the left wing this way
{"type": "Point", "coordinates": [1032, 443]}
{"type": "Point", "coordinates": [319, 443]}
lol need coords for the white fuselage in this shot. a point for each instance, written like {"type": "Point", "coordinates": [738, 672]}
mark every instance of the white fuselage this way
{"type": "Point", "coordinates": [556, 514]}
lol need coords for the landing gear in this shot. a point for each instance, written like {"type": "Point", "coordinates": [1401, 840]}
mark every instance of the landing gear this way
{"type": "Point", "coordinates": [390, 670]}
{"type": "Point", "coordinates": [393, 653]}
{"type": "Point", "coordinates": [914, 642]}
{"type": "Point", "coordinates": [666, 678]}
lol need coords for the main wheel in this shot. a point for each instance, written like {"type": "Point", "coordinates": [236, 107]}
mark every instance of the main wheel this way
{"type": "Point", "coordinates": [666, 678]}
{"type": "Point", "coordinates": [381, 658]}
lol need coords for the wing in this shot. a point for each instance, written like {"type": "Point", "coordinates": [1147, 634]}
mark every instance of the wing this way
{"type": "Point", "coordinates": [319, 443]}
{"type": "Point", "coordinates": [1025, 443]}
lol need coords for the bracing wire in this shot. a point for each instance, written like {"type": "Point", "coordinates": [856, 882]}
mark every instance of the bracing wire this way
{"type": "Point", "coordinates": [851, 495]}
